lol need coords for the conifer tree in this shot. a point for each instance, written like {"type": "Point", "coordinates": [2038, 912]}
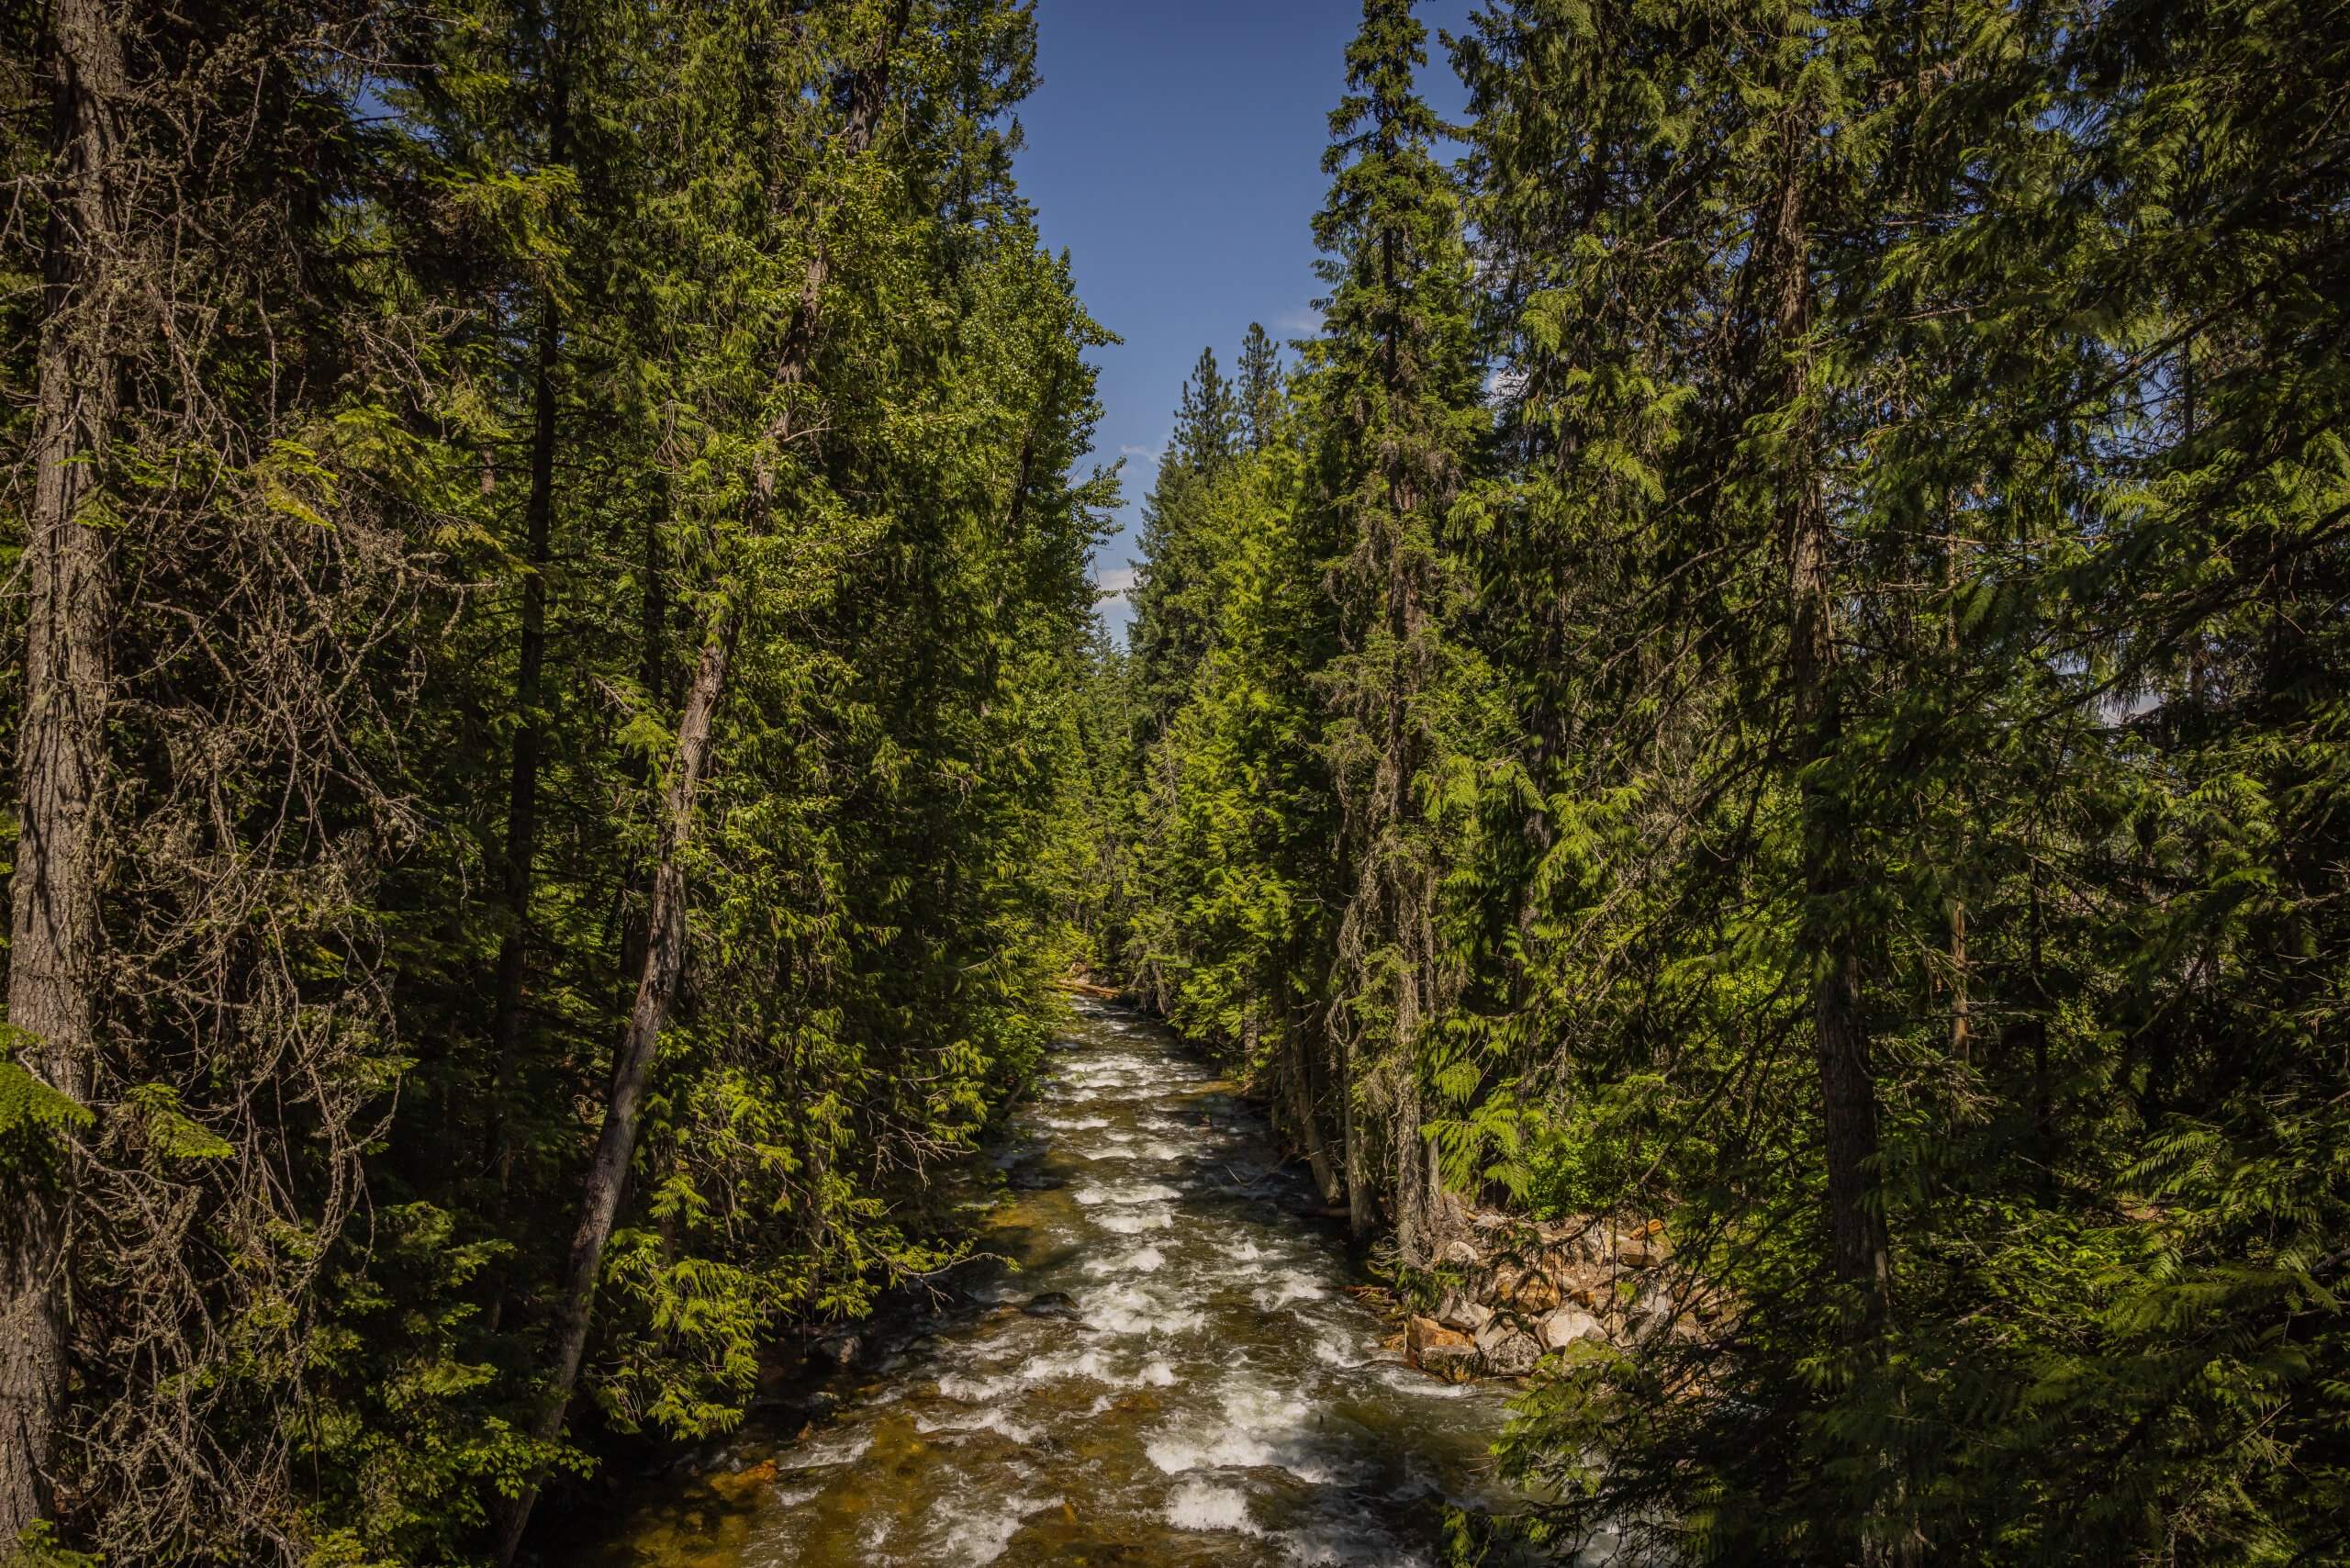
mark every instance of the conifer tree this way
{"type": "Point", "coordinates": [1259, 393]}
{"type": "Point", "coordinates": [495, 375]}
{"type": "Point", "coordinates": [1395, 397]}
{"type": "Point", "coordinates": [1171, 611]}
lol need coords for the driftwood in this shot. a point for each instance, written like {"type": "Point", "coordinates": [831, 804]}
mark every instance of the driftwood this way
{"type": "Point", "coordinates": [1076, 987]}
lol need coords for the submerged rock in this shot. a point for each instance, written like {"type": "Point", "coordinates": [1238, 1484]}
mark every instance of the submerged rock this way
{"type": "Point", "coordinates": [1052, 1303]}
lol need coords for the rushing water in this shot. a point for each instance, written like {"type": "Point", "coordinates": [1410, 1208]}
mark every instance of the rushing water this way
{"type": "Point", "coordinates": [1166, 1370]}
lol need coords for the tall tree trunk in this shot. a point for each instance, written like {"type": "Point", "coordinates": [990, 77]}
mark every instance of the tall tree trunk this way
{"type": "Point", "coordinates": [54, 969]}
{"type": "Point", "coordinates": [1361, 1219]}
{"type": "Point", "coordinates": [1860, 1246]}
{"type": "Point", "coordinates": [1962, 1007]}
{"type": "Point", "coordinates": [656, 987]}
{"type": "Point", "coordinates": [1297, 1078]}
{"type": "Point", "coordinates": [1861, 1251]}
{"type": "Point", "coordinates": [665, 950]}
{"type": "Point", "coordinates": [530, 734]}
{"type": "Point", "coordinates": [1412, 1216]}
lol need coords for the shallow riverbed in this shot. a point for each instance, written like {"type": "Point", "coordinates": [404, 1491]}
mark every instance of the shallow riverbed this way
{"type": "Point", "coordinates": [1165, 1370]}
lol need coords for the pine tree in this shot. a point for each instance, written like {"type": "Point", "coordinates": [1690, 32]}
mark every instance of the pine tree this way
{"type": "Point", "coordinates": [1260, 393]}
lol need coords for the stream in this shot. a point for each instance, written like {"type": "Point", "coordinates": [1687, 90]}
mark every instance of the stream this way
{"type": "Point", "coordinates": [1166, 1370]}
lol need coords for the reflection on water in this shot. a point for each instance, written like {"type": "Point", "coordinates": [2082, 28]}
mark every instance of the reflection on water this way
{"type": "Point", "coordinates": [1167, 1370]}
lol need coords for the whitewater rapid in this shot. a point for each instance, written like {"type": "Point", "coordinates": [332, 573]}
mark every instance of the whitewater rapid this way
{"type": "Point", "coordinates": [1164, 1369]}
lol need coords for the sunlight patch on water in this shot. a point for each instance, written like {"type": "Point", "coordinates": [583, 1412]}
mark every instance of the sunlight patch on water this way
{"type": "Point", "coordinates": [1130, 1309]}
{"type": "Point", "coordinates": [1262, 1425]}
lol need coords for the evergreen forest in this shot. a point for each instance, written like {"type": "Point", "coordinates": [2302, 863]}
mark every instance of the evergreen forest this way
{"type": "Point", "coordinates": [1778, 665]}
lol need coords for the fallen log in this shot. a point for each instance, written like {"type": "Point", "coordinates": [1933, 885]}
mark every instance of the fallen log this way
{"type": "Point", "coordinates": [1087, 988]}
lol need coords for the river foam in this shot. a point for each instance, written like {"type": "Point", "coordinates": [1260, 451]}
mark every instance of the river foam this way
{"type": "Point", "coordinates": [1160, 1366]}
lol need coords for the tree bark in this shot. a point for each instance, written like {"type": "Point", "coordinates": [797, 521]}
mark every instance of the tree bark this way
{"type": "Point", "coordinates": [1861, 1248]}
{"type": "Point", "coordinates": [664, 958]}
{"type": "Point", "coordinates": [1412, 1216]}
{"type": "Point", "coordinates": [1297, 1075]}
{"type": "Point", "coordinates": [1962, 1007]}
{"type": "Point", "coordinates": [54, 956]}
{"type": "Point", "coordinates": [1361, 1219]}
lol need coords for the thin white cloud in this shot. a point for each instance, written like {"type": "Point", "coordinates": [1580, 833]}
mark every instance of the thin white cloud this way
{"type": "Point", "coordinates": [1115, 581]}
{"type": "Point", "coordinates": [1148, 453]}
{"type": "Point", "coordinates": [1300, 323]}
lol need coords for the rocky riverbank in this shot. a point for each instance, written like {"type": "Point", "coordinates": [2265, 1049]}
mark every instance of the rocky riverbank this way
{"type": "Point", "coordinates": [1516, 1290]}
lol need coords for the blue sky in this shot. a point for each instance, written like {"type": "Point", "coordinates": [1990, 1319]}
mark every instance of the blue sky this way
{"type": "Point", "coordinates": [1174, 150]}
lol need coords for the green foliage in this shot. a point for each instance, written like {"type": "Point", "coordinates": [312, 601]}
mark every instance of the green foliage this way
{"type": "Point", "coordinates": [1778, 663]}
{"type": "Point", "coordinates": [30, 1109]}
{"type": "Point", "coordinates": [1859, 765]}
{"type": "Point", "coordinates": [539, 301]}
{"type": "Point", "coordinates": [36, 1547]}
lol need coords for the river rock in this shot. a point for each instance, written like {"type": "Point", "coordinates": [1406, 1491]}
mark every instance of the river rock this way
{"type": "Point", "coordinates": [1566, 1326]}
{"type": "Point", "coordinates": [1458, 1254]}
{"type": "Point", "coordinates": [1507, 1351]}
{"type": "Point", "coordinates": [1649, 1315]}
{"type": "Point", "coordinates": [837, 1349]}
{"type": "Point", "coordinates": [1643, 1251]}
{"type": "Point", "coordinates": [1052, 1303]}
{"type": "Point", "coordinates": [1445, 1353]}
{"type": "Point", "coordinates": [1528, 1290]}
{"type": "Point", "coordinates": [1462, 1312]}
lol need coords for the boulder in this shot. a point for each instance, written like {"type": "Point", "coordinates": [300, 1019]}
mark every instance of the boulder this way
{"type": "Point", "coordinates": [1562, 1259]}
{"type": "Point", "coordinates": [1420, 1333]}
{"type": "Point", "coordinates": [1566, 1326]}
{"type": "Point", "coordinates": [1445, 1353]}
{"type": "Point", "coordinates": [742, 1486]}
{"type": "Point", "coordinates": [1536, 1292]}
{"type": "Point", "coordinates": [1641, 1249]}
{"type": "Point", "coordinates": [1454, 1363]}
{"type": "Point", "coordinates": [1458, 1254]}
{"type": "Point", "coordinates": [837, 1349]}
{"type": "Point", "coordinates": [1460, 1311]}
{"type": "Point", "coordinates": [1649, 1315]}
{"type": "Point", "coordinates": [1507, 1351]}
{"type": "Point", "coordinates": [1527, 1290]}
{"type": "Point", "coordinates": [1052, 1303]}
{"type": "Point", "coordinates": [1571, 1241]}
